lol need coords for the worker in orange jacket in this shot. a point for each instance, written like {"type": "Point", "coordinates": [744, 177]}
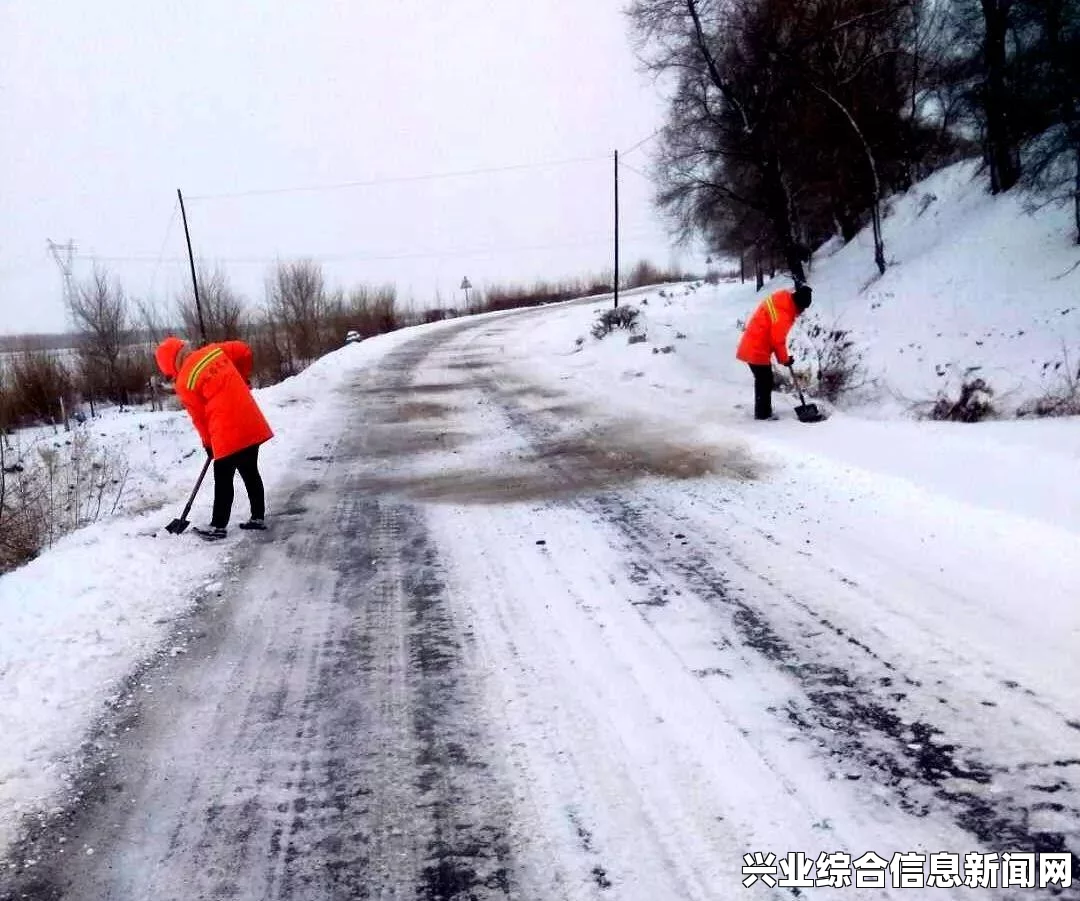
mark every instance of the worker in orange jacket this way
{"type": "Point", "coordinates": [766, 335]}
{"type": "Point", "coordinates": [212, 384]}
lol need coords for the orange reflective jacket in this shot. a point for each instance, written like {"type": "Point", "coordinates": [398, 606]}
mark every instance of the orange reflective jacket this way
{"type": "Point", "coordinates": [212, 386]}
{"type": "Point", "coordinates": [766, 332]}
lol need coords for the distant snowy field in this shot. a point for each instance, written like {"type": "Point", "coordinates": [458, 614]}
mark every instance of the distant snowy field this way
{"type": "Point", "coordinates": [973, 282]}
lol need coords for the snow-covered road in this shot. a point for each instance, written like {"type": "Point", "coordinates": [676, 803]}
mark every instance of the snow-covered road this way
{"type": "Point", "coordinates": [506, 642]}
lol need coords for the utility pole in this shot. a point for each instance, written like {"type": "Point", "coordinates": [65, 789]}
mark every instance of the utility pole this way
{"type": "Point", "coordinates": [465, 286]}
{"type": "Point", "coordinates": [191, 260]}
{"type": "Point", "coordinates": [616, 229]}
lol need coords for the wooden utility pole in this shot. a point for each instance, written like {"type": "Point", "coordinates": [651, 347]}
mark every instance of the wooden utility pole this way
{"type": "Point", "coordinates": [191, 260]}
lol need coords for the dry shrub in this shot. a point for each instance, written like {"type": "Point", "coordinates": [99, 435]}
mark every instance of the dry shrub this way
{"type": "Point", "coordinates": [124, 382]}
{"type": "Point", "coordinates": [39, 380]}
{"type": "Point", "coordinates": [438, 314]}
{"type": "Point", "coordinates": [836, 365]}
{"type": "Point", "coordinates": [508, 297]}
{"type": "Point", "coordinates": [368, 311]}
{"type": "Point", "coordinates": [645, 273]}
{"type": "Point", "coordinates": [50, 488]}
{"type": "Point", "coordinates": [615, 318]}
{"type": "Point", "coordinates": [1063, 399]}
{"type": "Point", "coordinates": [1051, 405]}
{"type": "Point", "coordinates": [974, 403]}
{"type": "Point", "coordinates": [272, 360]}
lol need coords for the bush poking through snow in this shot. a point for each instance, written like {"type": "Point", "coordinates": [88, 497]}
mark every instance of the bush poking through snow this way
{"type": "Point", "coordinates": [1050, 405]}
{"type": "Point", "coordinates": [836, 363]}
{"type": "Point", "coordinates": [613, 318]}
{"type": "Point", "coordinates": [974, 404]}
{"type": "Point", "coordinates": [1064, 400]}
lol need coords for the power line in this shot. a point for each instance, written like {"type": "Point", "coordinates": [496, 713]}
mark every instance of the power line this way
{"type": "Point", "coordinates": [644, 140]}
{"type": "Point", "coordinates": [647, 178]}
{"type": "Point", "coordinates": [432, 176]}
{"type": "Point", "coordinates": [161, 253]}
{"type": "Point", "coordinates": [365, 258]}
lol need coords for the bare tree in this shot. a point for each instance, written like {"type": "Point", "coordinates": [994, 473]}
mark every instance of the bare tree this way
{"type": "Point", "coordinates": [933, 73]}
{"type": "Point", "coordinates": [222, 308]}
{"type": "Point", "coordinates": [1052, 158]}
{"type": "Point", "coordinates": [99, 311]}
{"type": "Point", "coordinates": [1000, 136]}
{"type": "Point", "coordinates": [151, 319]}
{"type": "Point", "coordinates": [296, 300]}
{"type": "Point", "coordinates": [849, 58]}
{"type": "Point", "coordinates": [785, 119]}
{"type": "Point", "coordinates": [723, 142]}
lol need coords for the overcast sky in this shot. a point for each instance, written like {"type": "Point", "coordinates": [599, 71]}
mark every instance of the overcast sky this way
{"type": "Point", "coordinates": [108, 107]}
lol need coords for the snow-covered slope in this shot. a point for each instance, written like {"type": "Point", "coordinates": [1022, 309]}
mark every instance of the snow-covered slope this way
{"type": "Point", "coordinates": [973, 281]}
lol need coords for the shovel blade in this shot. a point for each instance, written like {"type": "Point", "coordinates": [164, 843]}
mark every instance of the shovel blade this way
{"type": "Point", "coordinates": [809, 413]}
{"type": "Point", "coordinates": [177, 526]}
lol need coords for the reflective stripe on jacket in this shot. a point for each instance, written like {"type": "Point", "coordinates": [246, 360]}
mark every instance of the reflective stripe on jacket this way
{"type": "Point", "coordinates": [212, 386]}
{"type": "Point", "coordinates": [766, 332]}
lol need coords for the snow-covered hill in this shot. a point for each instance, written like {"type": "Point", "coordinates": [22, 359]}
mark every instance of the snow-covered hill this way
{"type": "Point", "coordinates": [973, 281]}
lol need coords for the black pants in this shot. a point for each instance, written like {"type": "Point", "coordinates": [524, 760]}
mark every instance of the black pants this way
{"type": "Point", "coordinates": [763, 389]}
{"type": "Point", "coordinates": [246, 462]}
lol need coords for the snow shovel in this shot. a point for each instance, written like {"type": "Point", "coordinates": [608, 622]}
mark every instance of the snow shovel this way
{"type": "Point", "coordinates": [806, 412]}
{"type": "Point", "coordinates": [178, 525]}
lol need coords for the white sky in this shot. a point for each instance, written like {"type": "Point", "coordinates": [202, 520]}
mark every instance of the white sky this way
{"type": "Point", "coordinates": [108, 108]}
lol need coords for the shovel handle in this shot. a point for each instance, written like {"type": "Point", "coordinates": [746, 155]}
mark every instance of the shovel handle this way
{"type": "Point", "coordinates": [195, 490]}
{"type": "Point", "coordinates": [795, 382]}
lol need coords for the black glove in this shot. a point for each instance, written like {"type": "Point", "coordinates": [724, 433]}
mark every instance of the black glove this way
{"type": "Point", "coordinates": [209, 450]}
{"type": "Point", "coordinates": [790, 361]}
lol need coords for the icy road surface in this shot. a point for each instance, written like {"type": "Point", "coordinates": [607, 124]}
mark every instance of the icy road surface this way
{"type": "Point", "coordinates": [501, 644]}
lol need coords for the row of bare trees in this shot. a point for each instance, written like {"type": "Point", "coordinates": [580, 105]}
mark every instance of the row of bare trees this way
{"type": "Point", "coordinates": [505, 297]}
{"type": "Point", "coordinates": [112, 357]}
{"type": "Point", "coordinates": [791, 122]}
{"type": "Point", "coordinates": [300, 319]}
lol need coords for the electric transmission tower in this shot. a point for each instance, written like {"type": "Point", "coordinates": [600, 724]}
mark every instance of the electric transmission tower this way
{"type": "Point", "coordinates": [64, 255]}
